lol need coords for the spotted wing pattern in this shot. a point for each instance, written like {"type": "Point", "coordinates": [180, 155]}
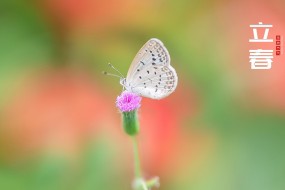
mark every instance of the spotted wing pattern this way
{"type": "Point", "coordinates": [150, 73]}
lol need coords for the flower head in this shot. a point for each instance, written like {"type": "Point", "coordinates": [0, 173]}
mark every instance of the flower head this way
{"type": "Point", "coordinates": [128, 101]}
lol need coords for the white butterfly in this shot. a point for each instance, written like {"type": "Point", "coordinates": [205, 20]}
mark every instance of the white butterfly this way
{"type": "Point", "coordinates": [150, 74]}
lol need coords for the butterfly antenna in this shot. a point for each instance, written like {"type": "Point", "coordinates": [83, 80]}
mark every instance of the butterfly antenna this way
{"type": "Point", "coordinates": [110, 74]}
{"type": "Point", "coordinates": [110, 65]}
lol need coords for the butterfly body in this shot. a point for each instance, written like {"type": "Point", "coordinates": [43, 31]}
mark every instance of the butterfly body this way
{"type": "Point", "coordinates": [150, 74]}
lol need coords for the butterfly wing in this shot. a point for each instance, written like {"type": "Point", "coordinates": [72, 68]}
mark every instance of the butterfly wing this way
{"type": "Point", "coordinates": [150, 73]}
{"type": "Point", "coordinates": [152, 52]}
{"type": "Point", "coordinates": [158, 84]}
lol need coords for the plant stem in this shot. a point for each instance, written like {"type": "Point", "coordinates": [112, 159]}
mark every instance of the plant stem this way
{"type": "Point", "coordinates": [136, 158]}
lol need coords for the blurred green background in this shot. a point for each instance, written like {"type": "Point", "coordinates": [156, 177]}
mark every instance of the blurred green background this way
{"type": "Point", "coordinates": [223, 128]}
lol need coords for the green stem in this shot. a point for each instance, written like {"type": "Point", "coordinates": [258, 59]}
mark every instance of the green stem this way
{"type": "Point", "coordinates": [136, 158]}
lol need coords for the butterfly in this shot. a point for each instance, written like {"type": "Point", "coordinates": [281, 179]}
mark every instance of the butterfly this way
{"type": "Point", "coordinates": [150, 74]}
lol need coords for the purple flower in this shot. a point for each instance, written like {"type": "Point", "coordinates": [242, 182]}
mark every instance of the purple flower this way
{"type": "Point", "coordinates": [128, 101]}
